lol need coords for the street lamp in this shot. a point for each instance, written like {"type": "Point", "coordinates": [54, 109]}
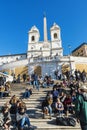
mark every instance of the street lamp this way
{"type": "Point", "coordinates": [69, 46]}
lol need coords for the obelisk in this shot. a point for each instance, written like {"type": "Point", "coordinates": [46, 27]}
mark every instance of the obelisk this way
{"type": "Point", "coordinates": [45, 29]}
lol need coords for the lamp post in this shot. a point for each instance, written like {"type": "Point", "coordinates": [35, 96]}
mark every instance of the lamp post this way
{"type": "Point", "coordinates": [69, 46]}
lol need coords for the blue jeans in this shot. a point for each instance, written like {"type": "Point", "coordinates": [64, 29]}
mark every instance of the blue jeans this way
{"type": "Point", "coordinates": [26, 94]}
{"type": "Point", "coordinates": [24, 120]}
{"type": "Point", "coordinates": [35, 83]}
{"type": "Point", "coordinates": [60, 112]}
{"type": "Point", "coordinates": [1, 94]}
{"type": "Point", "coordinates": [50, 109]}
{"type": "Point", "coordinates": [44, 85]}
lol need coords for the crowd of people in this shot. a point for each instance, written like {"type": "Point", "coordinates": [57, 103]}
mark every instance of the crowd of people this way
{"type": "Point", "coordinates": [17, 107]}
{"type": "Point", "coordinates": [68, 96]}
{"type": "Point", "coordinates": [61, 99]}
{"type": "Point", "coordinates": [5, 90]}
{"type": "Point", "coordinates": [75, 75]}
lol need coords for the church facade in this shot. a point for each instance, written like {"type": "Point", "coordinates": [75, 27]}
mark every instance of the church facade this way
{"type": "Point", "coordinates": [42, 56]}
{"type": "Point", "coordinates": [48, 48]}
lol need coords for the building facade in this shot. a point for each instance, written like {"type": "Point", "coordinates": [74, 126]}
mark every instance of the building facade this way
{"type": "Point", "coordinates": [43, 56]}
{"type": "Point", "coordinates": [44, 48]}
{"type": "Point", "coordinates": [80, 50]}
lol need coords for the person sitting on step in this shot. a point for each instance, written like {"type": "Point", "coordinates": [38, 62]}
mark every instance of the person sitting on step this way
{"type": "Point", "coordinates": [6, 118]}
{"type": "Point", "coordinates": [22, 118]}
{"type": "Point", "coordinates": [59, 107]}
{"type": "Point", "coordinates": [27, 93]}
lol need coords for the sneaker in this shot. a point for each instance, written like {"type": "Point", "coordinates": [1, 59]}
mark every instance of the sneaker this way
{"type": "Point", "coordinates": [31, 127]}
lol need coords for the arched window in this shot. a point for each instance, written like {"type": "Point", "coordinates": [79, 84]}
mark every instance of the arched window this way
{"type": "Point", "coordinates": [55, 35]}
{"type": "Point", "coordinates": [33, 38]}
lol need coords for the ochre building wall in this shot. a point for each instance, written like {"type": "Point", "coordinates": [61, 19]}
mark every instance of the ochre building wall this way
{"type": "Point", "coordinates": [81, 67]}
{"type": "Point", "coordinates": [21, 70]}
{"type": "Point", "coordinates": [82, 51]}
{"type": "Point", "coordinates": [18, 70]}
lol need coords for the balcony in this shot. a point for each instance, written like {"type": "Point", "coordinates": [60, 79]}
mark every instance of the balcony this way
{"type": "Point", "coordinates": [44, 59]}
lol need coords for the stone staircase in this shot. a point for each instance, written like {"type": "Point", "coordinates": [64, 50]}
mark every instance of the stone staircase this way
{"type": "Point", "coordinates": [34, 108]}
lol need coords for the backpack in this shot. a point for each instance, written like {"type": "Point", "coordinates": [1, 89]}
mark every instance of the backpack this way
{"type": "Point", "coordinates": [65, 121]}
{"type": "Point", "coordinates": [61, 121]}
{"type": "Point", "coordinates": [71, 121]}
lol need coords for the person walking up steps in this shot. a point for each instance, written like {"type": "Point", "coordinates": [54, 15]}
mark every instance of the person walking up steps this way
{"type": "Point", "coordinates": [35, 81]}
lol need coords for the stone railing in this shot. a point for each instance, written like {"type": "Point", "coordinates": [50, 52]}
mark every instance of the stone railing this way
{"type": "Point", "coordinates": [8, 77]}
{"type": "Point", "coordinates": [48, 58]}
{"type": "Point", "coordinates": [14, 64]}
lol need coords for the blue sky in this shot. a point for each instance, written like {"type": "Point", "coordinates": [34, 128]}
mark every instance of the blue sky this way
{"type": "Point", "coordinates": [18, 16]}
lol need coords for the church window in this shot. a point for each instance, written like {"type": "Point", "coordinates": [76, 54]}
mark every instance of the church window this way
{"type": "Point", "coordinates": [32, 38]}
{"type": "Point", "coordinates": [55, 35]}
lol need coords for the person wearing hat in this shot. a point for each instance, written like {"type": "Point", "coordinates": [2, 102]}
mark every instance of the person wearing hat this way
{"type": "Point", "coordinates": [81, 106]}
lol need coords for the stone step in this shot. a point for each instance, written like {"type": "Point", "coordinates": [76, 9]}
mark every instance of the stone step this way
{"type": "Point", "coordinates": [36, 101]}
{"type": "Point", "coordinates": [29, 106]}
{"type": "Point", "coordinates": [49, 125]}
{"type": "Point", "coordinates": [34, 108]}
{"type": "Point", "coordinates": [27, 101]}
{"type": "Point", "coordinates": [57, 128]}
{"type": "Point", "coordinates": [22, 91]}
{"type": "Point", "coordinates": [34, 89]}
{"type": "Point", "coordinates": [32, 97]}
{"type": "Point", "coordinates": [34, 94]}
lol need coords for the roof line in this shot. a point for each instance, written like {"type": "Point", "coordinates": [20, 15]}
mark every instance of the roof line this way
{"type": "Point", "coordinates": [84, 43]}
{"type": "Point", "coordinates": [13, 54]}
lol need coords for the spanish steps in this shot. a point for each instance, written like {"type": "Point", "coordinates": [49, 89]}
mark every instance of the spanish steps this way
{"type": "Point", "coordinates": [34, 108]}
